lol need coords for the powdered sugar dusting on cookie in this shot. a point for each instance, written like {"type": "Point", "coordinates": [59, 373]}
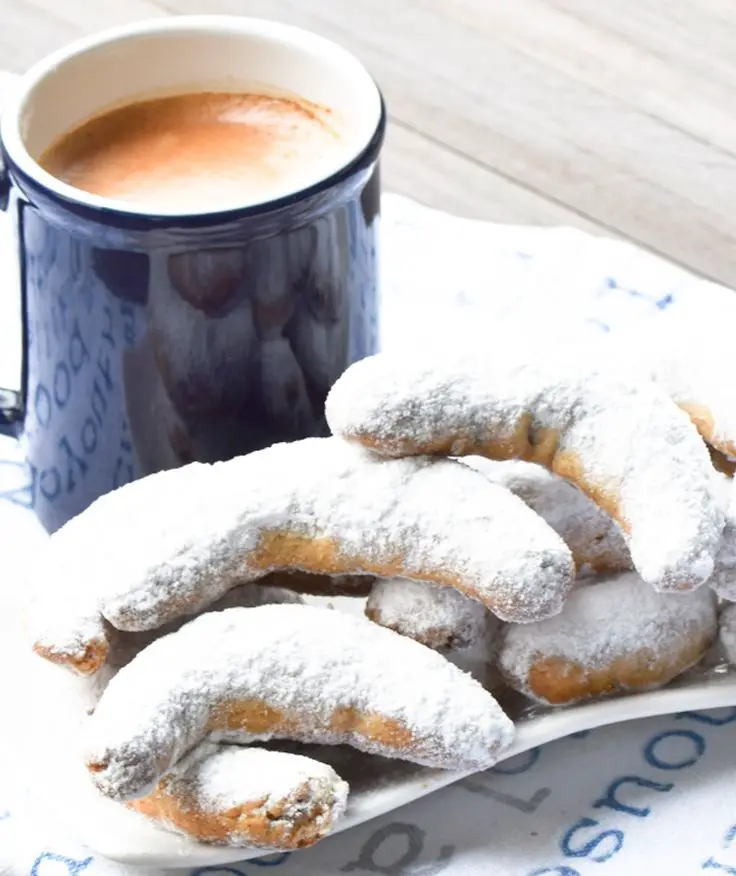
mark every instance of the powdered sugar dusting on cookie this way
{"type": "Point", "coordinates": [596, 542]}
{"type": "Point", "coordinates": [287, 671]}
{"type": "Point", "coordinates": [685, 355]}
{"type": "Point", "coordinates": [727, 632]}
{"type": "Point", "coordinates": [438, 617]}
{"type": "Point", "coordinates": [724, 578]}
{"type": "Point", "coordinates": [626, 443]}
{"type": "Point", "coordinates": [66, 630]}
{"type": "Point", "coordinates": [606, 621]}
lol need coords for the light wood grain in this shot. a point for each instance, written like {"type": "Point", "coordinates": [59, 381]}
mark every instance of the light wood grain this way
{"type": "Point", "coordinates": [615, 117]}
{"type": "Point", "coordinates": [429, 172]}
{"type": "Point", "coordinates": [90, 15]}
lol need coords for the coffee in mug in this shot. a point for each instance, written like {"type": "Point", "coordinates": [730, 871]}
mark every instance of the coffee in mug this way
{"type": "Point", "coordinates": [182, 151]}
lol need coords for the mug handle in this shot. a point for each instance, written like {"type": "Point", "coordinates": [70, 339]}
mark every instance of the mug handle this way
{"type": "Point", "coordinates": [11, 400]}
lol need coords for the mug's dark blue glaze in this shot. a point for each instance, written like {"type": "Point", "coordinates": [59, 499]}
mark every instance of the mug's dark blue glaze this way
{"type": "Point", "coordinates": [151, 342]}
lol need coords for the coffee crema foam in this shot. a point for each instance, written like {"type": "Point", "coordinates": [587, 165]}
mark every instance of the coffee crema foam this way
{"type": "Point", "coordinates": [199, 151]}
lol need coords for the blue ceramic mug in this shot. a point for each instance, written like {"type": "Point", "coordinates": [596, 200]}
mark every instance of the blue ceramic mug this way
{"type": "Point", "coordinates": [151, 340]}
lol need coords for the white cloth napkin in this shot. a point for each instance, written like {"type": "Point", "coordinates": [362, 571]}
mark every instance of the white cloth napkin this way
{"type": "Point", "coordinates": [655, 796]}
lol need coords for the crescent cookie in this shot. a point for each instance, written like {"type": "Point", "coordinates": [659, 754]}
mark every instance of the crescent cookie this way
{"type": "Point", "coordinates": [248, 798]}
{"type": "Point", "coordinates": [596, 541]}
{"type": "Point", "coordinates": [612, 637]}
{"type": "Point", "coordinates": [625, 444]}
{"type": "Point", "coordinates": [172, 543]}
{"type": "Point", "coordinates": [288, 671]}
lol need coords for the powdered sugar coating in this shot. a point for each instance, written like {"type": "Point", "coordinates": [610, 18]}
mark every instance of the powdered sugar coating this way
{"type": "Point", "coordinates": [249, 797]}
{"type": "Point", "coordinates": [172, 543]}
{"type": "Point", "coordinates": [685, 356]}
{"type": "Point", "coordinates": [71, 631]}
{"type": "Point", "coordinates": [596, 542]}
{"type": "Point", "coordinates": [438, 617]}
{"type": "Point", "coordinates": [611, 621]}
{"type": "Point", "coordinates": [288, 671]}
{"type": "Point", "coordinates": [625, 443]}
{"type": "Point", "coordinates": [724, 578]}
{"type": "Point", "coordinates": [727, 632]}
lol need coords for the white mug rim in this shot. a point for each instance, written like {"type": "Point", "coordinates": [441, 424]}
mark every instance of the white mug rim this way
{"type": "Point", "coordinates": [11, 137]}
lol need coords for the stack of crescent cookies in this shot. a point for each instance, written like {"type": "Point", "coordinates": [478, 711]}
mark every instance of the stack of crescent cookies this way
{"type": "Point", "coordinates": [518, 517]}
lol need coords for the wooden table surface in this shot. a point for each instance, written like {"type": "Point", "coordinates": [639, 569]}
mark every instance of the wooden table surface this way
{"type": "Point", "coordinates": [612, 115]}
